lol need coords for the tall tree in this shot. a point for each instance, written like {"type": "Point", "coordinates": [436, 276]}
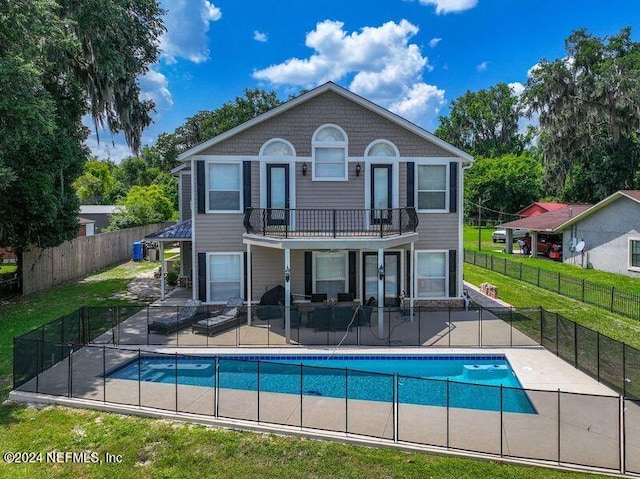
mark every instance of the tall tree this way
{"type": "Point", "coordinates": [589, 116]}
{"type": "Point", "coordinates": [96, 186]}
{"type": "Point", "coordinates": [504, 185]}
{"type": "Point", "coordinates": [60, 60]}
{"type": "Point", "coordinates": [485, 123]}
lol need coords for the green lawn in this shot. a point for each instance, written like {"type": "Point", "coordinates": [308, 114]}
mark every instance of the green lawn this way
{"type": "Point", "coordinates": [521, 295]}
{"type": "Point", "coordinates": [163, 449]}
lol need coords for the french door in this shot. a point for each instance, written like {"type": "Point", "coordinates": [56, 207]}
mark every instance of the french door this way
{"type": "Point", "coordinates": [391, 277]}
{"type": "Point", "coordinates": [277, 194]}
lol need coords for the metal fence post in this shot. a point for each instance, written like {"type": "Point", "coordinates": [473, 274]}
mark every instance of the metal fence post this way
{"type": "Point", "coordinates": [395, 405]}
{"type": "Point", "coordinates": [216, 405]}
{"type": "Point", "coordinates": [612, 297]}
{"type": "Point", "coordinates": [139, 380]}
{"type": "Point", "coordinates": [301, 392]}
{"type": "Point", "coordinates": [624, 369]}
{"type": "Point", "coordinates": [176, 377]}
{"type": "Point", "coordinates": [258, 390]}
{"type": "Point", "coordinates": [104, 373]}
{"type": "Point", "coordinates": [447, 403]}
{"type": "Point", "coordinates": [70, 378]}
{"type": "Point", "coordinates": [346, 400]}
{"type": "Point", "coordinates": [501, 419]}
{"type": "Point", "coordinates": [559, 434]}
{"type": "Point", "coordinates": [623, 436]}
{"type": "Point", "coordinates": [598, 353]}
{"type": "Point", "coordinates": [575, 344]}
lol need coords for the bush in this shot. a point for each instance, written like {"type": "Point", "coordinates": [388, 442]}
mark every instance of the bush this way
{"type": "Point", "coordinates": [172, 277]}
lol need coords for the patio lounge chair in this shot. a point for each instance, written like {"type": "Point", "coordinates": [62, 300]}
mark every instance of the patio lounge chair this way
{"type": "Point", "coordinates": [228, 318]}
{"type": "Point", "coordinates": [187, 315]}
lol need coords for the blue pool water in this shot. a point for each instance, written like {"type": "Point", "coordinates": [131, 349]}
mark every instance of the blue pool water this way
{"type": "Point", "coordinates": [472, 381]}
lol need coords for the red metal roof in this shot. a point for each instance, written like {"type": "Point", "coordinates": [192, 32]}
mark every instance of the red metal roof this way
{"type": "Point", "coordinates": [634, 194]}
{"type": "Point", "coordinates": [545, 205]}
{"type": "Point", "coordinates": [548, 221]}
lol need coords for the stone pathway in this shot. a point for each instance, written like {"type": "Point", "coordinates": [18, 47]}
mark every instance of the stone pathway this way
{"type": "Point", "coordinates": [143, 288]}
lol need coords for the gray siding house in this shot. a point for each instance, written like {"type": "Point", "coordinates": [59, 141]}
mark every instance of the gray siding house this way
{"type": "Point", "coordinates": [610, 235]}
{"type": "Point", "coordinates": [327, 193]}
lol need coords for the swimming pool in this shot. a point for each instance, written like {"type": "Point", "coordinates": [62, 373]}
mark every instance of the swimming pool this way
{"type": "Point", "coordinates": [463, 381]}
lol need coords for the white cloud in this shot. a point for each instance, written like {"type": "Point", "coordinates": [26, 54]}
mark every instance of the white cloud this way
{"type": "Point", "coordinates": [516, 87]}
{"type": "Point", "coordinates": [386, 68]}
{"type": "Point", "coordinates": [187, 23]}
{"type": "Point", "coordinates": [482, 66]}
{"type": "Point", "coordinates": [449, 6]}
{"type": "Point", "coordinates": [259, 36]}
{"type": "Point", "coordinates": [154, 86]}
{"type": "Point", "coordinates": [434, 42]}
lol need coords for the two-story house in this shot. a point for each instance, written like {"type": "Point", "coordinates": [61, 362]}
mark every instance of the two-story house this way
{"type": "Point", "coordinates": [326, 193]}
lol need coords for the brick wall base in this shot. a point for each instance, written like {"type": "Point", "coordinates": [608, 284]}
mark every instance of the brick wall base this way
{"type": "Point", "coordinates": [439, 303]}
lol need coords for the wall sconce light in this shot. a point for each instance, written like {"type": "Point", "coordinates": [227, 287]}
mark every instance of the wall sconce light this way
{"type": "Point", "coordinates": [287, 274]}
{"type": "Point", "coordinates": [304, 169]}
{"type": "Point", "coordinates": [358, 169]}
{"type": "Point", "coordinates": [381, 272]}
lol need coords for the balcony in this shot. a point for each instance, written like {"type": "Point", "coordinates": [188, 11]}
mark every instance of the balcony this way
{"type": "Point", "coordinates": [330, 224]}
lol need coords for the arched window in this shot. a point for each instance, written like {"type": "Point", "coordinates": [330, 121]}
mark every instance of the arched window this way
{"type": "Point", "coordinates": [381, 148]}
{"type": "Point", "coordinates": [330, 153]}
{"type": "Point", "coordinates": [277, 147]}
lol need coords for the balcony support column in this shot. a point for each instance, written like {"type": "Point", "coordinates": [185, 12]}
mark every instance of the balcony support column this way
{"type": "Point", "coordinates": [249, 281]}
{"type": "Point", "coordinates": [287, 296]}
{"type": "Point", "coordinates": [380, 292]}
{"type": "Point", "coordinates": [412, 270]}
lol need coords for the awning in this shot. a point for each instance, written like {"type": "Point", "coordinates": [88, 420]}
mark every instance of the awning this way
{"type": "Point", "coordinates": [178, 232]}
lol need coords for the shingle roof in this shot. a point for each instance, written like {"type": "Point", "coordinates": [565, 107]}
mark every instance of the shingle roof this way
{"type": "Point", "coordinates": [548, 221]}
{"type": "Point", "coordinates": [175, 232]}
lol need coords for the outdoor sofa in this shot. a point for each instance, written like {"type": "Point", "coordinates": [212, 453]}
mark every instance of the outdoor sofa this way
{"type": "Point", "coordinates": [230, 316]}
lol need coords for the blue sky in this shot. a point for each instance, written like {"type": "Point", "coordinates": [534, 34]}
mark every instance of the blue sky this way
{"type": "Point", "coordinates": [411, 56]}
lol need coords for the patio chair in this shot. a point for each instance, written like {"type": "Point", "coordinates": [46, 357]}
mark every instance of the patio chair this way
{"type": "Point", "coordinates": [187, 315]}
{"type": "Point", "coordinates": [228, 318]}
{"type": "Point", "coordinates": [318, 297]}
{"type": "Point", "coordinates": [345, 297]}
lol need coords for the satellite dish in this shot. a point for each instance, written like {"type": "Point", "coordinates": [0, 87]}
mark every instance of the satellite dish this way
{"type": "Point", "coordinates": [580, 246]}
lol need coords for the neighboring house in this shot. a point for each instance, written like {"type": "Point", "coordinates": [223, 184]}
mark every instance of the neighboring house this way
{"type": "Point", "coordinates": [608, 234]}
{"type": "Point", "coordinates": [539, 207]}
{"type": "Point", "coordinates": [101, 214]}
{"type": "Point", "coordinates": [327, 193]}
{"type": "Point", "coordinates": [86, 227]}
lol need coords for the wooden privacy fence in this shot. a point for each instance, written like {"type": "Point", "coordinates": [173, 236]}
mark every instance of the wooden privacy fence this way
{"type": "Point", "coordinates": [44, 268]}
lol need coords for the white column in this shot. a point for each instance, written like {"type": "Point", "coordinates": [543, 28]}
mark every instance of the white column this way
{"type": "Point", "coordinates": [534, 244]}
{"type": "Point", "coordinates": [287, 297]}
{"type": "Point", "coordinates": [508, 241]}
{"type": "Point", "coordinates": [380, 294]}
{"type": "Point", "coordinates": [161, 270]}
{"type": "Point", "coordinates": [412, 270]}
{"type": "Point", "coordinates": [248, 273]}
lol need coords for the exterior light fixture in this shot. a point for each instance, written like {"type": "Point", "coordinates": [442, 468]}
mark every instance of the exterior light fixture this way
{"type": "Point", "coordinates": [304, 169]}
{"type": "Point", "coordinates": [358, 169]}
{"type": "Point", "coordinates": [287, 274]}
{"type": "Point", "coordinates": [381, 272]}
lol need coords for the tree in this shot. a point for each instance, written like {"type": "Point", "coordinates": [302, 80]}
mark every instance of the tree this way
{"type": "Point", "coordinates": [61, 60]}
{"type": "Point", "coordinates": [143, 205]}
{"type": "Point", "coordinates": [505, 184]}
{"type": "Point", "coordinates": [485, 123]}
{"type": "Point", "coordinates": [96, 186]}
{"type": "Point", "coordinates": [589, 116]}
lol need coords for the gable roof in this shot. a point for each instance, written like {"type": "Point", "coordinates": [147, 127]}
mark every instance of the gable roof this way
{"type": "Point", "coordinates": [329, 86]}
{"type": "Point", "coordinates": [633, 195]}
{"type": "Point", "coordinates": [549, 221]}
{"type": "Point", "coordinates": [545, 205]}
{"type": "Point", "coordinates": [178, 231]}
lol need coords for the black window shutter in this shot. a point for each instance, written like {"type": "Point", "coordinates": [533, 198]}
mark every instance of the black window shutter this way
{"type": "Point", "coordinates": [352, 273]}
{"type": "Point", "coordinates": [453, 269]}
{"type": "Point", "coordinates": [411, 184]}
{"type": "Point", "coordinates": [201, 186]}
{"type": "Point", "coordinates": [453, 187]}
{"type": "Point", "coordinates": [308, 273]}
{"type": "Point", "coordinates": [246, 183]}
{"type": "Point", "coordinates": [202, 276]}
{"type": "Point", "coordinates": [407, 285]}
{"type": "Point", "coordinates": [246, 276]}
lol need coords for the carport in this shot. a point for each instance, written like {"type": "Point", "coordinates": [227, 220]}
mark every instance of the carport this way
{"type": "Point", "coordinates": [548, 223]}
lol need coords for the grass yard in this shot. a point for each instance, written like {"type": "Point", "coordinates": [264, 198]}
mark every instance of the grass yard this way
{"type": "Point", "coordinates": [164, 449]}
{"type": "Point", "coordinates": [521, 295]}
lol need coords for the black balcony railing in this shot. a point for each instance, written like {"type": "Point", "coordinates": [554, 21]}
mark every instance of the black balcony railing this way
{"type": "Point", "coordinates": [320, 223]}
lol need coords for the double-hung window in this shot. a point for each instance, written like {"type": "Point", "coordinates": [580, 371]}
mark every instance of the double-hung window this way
{"type": "Point", "coordinates": [225, 276]}
{"type": "Point", "coordinates": [224, 187]}
{"type": "Point", "coordinates": [330, 154]}
{"type": "Point", "coordinates": [330, 273]}
{"type": "Point", "coordinates": [634, 254]}
{"type": "Point", "coordinates": [431, 274]}
{"type": "Point", "coordinates": [432, 187]}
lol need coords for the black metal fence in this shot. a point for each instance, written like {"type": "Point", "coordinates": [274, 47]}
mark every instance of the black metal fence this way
{"type": "Point", "coordinates": [611, 362]}
{"type": "Point", "coordinates": [549, 426]}
{"type": "Point", "coordinates": [285, 223]}
{"type": "Point", "coordinates": [607, 297]}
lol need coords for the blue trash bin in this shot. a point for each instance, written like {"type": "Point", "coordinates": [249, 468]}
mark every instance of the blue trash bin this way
{"type": "Point", "coordinates": [137, 251]}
